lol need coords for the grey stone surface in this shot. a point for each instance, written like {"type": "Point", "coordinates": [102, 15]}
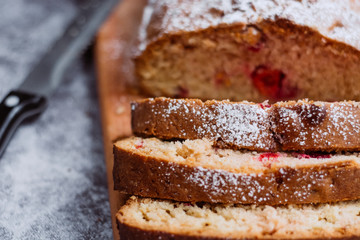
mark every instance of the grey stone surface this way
{"type": "Point", "coordinates": [52, 175]}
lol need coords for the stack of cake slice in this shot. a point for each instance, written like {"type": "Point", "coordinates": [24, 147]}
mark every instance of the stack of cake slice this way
{"type": "Point", "coordinates": [225, 170]}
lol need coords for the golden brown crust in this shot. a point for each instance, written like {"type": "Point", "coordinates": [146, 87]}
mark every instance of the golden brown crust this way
{"type": "Point", "coordinates": [150, 177]}
{"type": "Point", "coordinates": [305, 126]}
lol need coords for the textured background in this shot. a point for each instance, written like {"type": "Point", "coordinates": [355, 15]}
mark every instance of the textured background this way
{"type": "Point", "coordinates": [52, 176]}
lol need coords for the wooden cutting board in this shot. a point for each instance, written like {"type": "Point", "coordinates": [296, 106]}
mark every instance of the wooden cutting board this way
{"type": "Point", "coordinates": [114, 72]}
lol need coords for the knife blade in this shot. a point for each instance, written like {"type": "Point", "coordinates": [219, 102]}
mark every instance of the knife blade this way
{"type": "Point", "coordinates": [30, 98]}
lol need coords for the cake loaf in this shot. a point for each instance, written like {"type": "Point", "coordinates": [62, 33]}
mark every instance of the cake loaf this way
{"type": "Point", "coordinates": [160, 219]}
{"type": "Point", "coordinates": [195, 171]}
{"type": "Point", "coordinates": [305, 126]}
{"type": "Point", "coordinates": [251, 50]}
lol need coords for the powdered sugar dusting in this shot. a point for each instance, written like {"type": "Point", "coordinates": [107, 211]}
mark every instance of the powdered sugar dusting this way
{"type": "Point", "coordinates": [294, 126]}
{"type": "Point", "coordinates": [335, 19]}
{"type": "Point", "coordinates": [251, 188]}
{"type": "Point", "coordinates": [242, 125]}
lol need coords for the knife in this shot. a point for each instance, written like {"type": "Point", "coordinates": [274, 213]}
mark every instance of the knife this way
{"type": "Point", "coordinates": [30, 98]}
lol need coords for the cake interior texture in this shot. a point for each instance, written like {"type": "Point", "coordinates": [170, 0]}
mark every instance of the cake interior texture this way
{"type": "Point", "coordinates": [242, 221]}
{"type": "Point", "coordinates": [250, 62]}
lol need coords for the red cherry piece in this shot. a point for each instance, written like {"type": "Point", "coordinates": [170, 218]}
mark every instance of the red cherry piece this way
{"type": "Point", "coordinates": [264, 105]}
{"type": "Point", "coordinates": [271, 83]}
{"type": "Point", "coordinates": [182, 92]}
{"type": "Point", "coordinates": [257, 47]}
{"type": "Point", "coordinates": [320, 155]}
{"type": "Point", "coordinates": [268, 158]}
{"type": "Point", "coordinates": [139, 144]}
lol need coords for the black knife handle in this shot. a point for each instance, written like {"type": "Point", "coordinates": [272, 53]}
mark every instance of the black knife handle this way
{"type": "Point", "coordinates": [14, 108]}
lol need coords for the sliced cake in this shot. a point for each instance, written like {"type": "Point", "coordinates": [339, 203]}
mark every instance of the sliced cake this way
{"type": "Point", "coordinates": [195, 171]}
{"type": "Point", "coordinates": [304, 125]}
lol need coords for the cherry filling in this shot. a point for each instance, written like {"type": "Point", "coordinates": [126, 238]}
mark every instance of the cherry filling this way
{"type": "Point", "coordinates": [272, 83]}
{"type": "Point", "coordinates": [256, 47]}
{"type": "Point", "coordinates": [182, 92]}
{"type": "Point", "coordinates": [139, 144]}
{"type": "Point", "coordinates": [264, 105]}
{"type": "Point", "coordinates": [268, 158]}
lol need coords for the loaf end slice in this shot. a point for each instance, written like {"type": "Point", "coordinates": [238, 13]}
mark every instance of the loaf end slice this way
{"type": "Point", "coordinates": [247, 51]}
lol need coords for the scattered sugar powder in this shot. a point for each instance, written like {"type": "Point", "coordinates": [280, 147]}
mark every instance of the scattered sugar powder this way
{"type": "Point", "coordinates": [249, 188]}
{"type": "Point", "coordinates": [339, 125]}
{"type": "Point", "coordinates": [335, 19]}
{"type": "Point", "coordinates": [241, 124]}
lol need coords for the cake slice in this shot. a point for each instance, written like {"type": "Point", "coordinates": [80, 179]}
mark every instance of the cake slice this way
{"type": "Point", "coordinates": [160, 219]}
{"type": "Point", "coordinates": [303, 125]}
{"type": "Point", "coordinates": [251, 50]}
{"type": "Point", "coordinates": [195, 171]}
